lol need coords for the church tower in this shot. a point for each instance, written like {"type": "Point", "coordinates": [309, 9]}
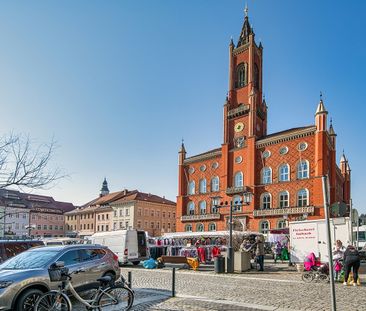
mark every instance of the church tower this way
{"type": "Point", "coordinates": [104, 191]}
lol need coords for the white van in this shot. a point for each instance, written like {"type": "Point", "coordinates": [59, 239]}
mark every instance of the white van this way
{"type": "Point", "coordinates": [128, 245]}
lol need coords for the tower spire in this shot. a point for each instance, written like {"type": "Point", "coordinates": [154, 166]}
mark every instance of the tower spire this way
{"type": "Point", "coordinates": [246, 29]}
{"type": "Point", "coordinates": [104, 191]}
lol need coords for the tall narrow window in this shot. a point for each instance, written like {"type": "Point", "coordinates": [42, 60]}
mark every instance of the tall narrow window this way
{"type": "Point", "coordinates": [283, 199]}
{"type": "Point", "coordinates": [302, 198]}
{"type": "Point", "coordinates": [203, 186]}
{"type": "Point", "coordinates": [215, 185]}
{"type": "Point", "coordinates": [281, 224]}
{"type": "Point", "coordinates": [212, 227]}
{"type": "Point", "coordinates": [238, 179]}
{"type": "Point", "coordinates": [214, 203]}
{"type": "Point", "coordinates": [264, 226]}
{"type": "Point", "coordinates": [190, 208]}
{"type": "Point", "coordinates": [266, 201]}
{"type": "Point", "coordinates": [237, 202]}
{"type": "Point", "coordinates": [191, 186]}
{"type": "Point", "coordinates": [188, 228]}
{"type": "Point", "coordinates": [284, 172]}
{"type": "Point", "coordinates": [241, 71]}
{"type": "Point", "coordinates": [266, 175]}
{"type": "Point", "coordinates": [200, 228]}
{"type": "Point", "coordinates": [256, 76]}
{"type": "Point", "coordinates": [303, 169]}
{"type": "Point", "coordinates": [202, 206]}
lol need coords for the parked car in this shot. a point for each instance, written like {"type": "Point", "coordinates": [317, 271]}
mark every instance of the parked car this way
{"type": "Point", "coordinates": [10, 248]}
{"type": "Point", "coordinates": [25, 277]}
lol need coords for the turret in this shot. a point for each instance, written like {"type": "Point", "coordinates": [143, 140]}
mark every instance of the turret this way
{"type": "Point", "coordinates": [332, 134]}
{"type": "Point", "coordinates": [321, 116]}
{"type": "Point", "coordinates": [104, 191]}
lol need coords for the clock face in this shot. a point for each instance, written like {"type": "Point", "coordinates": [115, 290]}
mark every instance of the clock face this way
{"type": "Point", "coordinates": [239, 127]}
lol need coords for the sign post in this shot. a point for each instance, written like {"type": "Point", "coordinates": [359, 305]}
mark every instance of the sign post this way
{"type": "Point", "coordinates": [329, 242]}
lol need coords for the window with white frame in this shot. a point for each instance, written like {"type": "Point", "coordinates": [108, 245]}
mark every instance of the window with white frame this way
{"type": "Point", "coordinates": [215, 184]}
{"type": "Point", "coordinates": [266, 201]}
{"type": "Point", "coordinates": [283, 199]}
{"type": "Point", "coordinates": [202, 186]}
{"type": "Point", "coordinates": [284, 172]}
{"type": "Point", "coordinates": [200, 228]}
{"type": "Point", "coordinates": [214, 203]}
{"type": "Point", "coordinates": [266, 175]}
{"type": "Point", "coordinates": [187, 228]}
{"type": "Point", "coordinates": [202, 206]}
{"type": "Point", "coordinates": [237, 201]}
{"type": "Point", "coordinates": [212, 227]}
{"type": "Point", "coordinates": [281, 224]}
{"type": "Point", "coordinates": [238, 179]}
{"type": "Point", "coordinates": [303, 169]}
{"type": "Point", "coordinates": [190, 208]}
{"type": "Point", "coordinates": [264, 226]}
{"type": "Point", "coordinates": [191, 187]}
{"type": "Point", "coordinates": [302, 198]}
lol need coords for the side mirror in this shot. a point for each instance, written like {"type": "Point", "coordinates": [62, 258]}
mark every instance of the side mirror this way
{"type": "Point", "coordinates": [58, 264]}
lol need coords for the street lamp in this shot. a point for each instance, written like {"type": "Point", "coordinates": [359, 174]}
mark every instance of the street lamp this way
{"type": "Point", "coordinates": [247, 198]}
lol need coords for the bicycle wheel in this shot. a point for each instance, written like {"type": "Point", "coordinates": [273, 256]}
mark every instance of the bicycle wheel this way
{"type": "Point", "coordinates": [53, 301]}
{"type": "Point", "coordinates": [324, 278]}
{"type": "Point", "coordinates": [307, 277]}
{"type": "Point", "coordinates": [116, 298]}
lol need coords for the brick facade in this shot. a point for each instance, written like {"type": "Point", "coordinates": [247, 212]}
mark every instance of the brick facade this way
{"type": "Point", "coordinates": [295, 160]}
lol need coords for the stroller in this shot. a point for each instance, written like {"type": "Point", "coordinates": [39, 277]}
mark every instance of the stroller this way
{"type": "Point", "coordinates": [314, 270]}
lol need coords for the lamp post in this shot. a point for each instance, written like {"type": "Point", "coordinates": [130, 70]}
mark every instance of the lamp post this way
{"type": "Point", "coordinates": [247, 198]}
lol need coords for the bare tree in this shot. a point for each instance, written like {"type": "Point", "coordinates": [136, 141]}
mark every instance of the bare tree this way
{"type": "Point", "coordinates": [23, 164]}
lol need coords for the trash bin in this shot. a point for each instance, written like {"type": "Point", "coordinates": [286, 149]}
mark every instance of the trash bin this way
{"type": "Point", "coordinates": [219, 263]}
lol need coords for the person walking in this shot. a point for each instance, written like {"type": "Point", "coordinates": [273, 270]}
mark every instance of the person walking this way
{"type": "Point", "coordinates": [259, 252]}
{"type": "Point", "coordinates": [351, 259]}
{"type": "Point", "coordinates": [338, 253]}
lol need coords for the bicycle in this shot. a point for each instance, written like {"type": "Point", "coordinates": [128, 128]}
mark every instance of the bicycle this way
{"type": "Point", "coordinates": [109, 296]}
{"type": "Point", "coordinates": [317, 274]}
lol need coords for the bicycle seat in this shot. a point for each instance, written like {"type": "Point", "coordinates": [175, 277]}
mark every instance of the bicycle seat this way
{"type": "Point", "coordinates": [105, 279]}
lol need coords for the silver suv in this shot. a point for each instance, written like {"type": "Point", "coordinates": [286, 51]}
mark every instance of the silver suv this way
{"type": "Point", "coordinates": [25, 277]}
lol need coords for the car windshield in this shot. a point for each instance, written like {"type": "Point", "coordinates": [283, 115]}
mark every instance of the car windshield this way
{"type": "Point", "coordinates": [29, 260]}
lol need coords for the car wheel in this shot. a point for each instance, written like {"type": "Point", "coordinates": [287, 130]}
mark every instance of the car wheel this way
{"type": "Point", "coordinates": [135, 263]}
{"type": "Point", "coordinates": [27, 299]}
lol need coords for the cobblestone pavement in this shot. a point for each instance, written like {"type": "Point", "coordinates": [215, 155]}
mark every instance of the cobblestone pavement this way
{"type": "Point", "coordinates": [275, 289]}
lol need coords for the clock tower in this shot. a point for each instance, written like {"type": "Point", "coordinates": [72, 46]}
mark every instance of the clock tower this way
{"type": "Point", "coordinates": [245, 110]}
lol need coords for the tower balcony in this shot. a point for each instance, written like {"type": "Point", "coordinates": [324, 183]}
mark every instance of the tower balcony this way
{"type": "Point", "coordinates": [236, 112]}
{"type": "Point", "coordinates": [283, 211]}
{"type": "Point", "coordinates": [236, 190]}
{"type": "Point", "coordinates": [200, 217]}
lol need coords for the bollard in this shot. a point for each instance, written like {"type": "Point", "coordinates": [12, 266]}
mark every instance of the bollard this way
{"type": "Point", "coordinates": [173, 283]}
{"type": "Point", "coordinates": [130, 279]}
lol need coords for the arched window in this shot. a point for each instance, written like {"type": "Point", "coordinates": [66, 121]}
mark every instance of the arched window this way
{"type": "Point", "coordinates": [281, 224]}
{"type": "Point", "coordinates": [238, 179]}
{"type": "Point", "coordinates": [303, 169]}
{"type": "Point", "coordinates": [241, 72]}
{"type": "Point", "coordinates": [215, 184]}
{"type": "Point", "coordinates": [190, 208]}
{"type": "Point", "coordinates": [191, 187]}
{"type": "Point", "coordinates": [284, 172]}
{"type": "Point", "coordinates": [188, 228]}
{"type": "Point", "coordinates": [203, 186]}
{"type": "Point", "coordinates": [200, 227]}
{"type": "Point", "coordinates": [256, 76]}
{"type": "Point", "coordinates": [264, 226]}
{"type": "Point", "coordinates": [214, 203]}
{"type": "Point", "coordinates": [212, 227]}
{"type": "Point", "coordinates": [237, 202]}
{"type": "Point", "coordinates": [202, 206]}
{"type": "Point", "coordinates": [266, 201]}
{"type": "Point", "coordinates": [302, 198]}
{"type": "Point", "coordinates": [283, 199]}
{"type": "Point", "coordinates": [266, 175]}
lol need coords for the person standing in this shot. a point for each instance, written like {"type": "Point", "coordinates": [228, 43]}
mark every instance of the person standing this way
{"type": "Point", "coordinates": [338, 253]}
{"type": "Point", "coordinates": [351, 259]}
{"type": "Point", "coordinates": [259, 252]}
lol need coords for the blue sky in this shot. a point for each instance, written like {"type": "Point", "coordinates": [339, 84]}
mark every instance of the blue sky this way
{"type": "Point", "coordinates": [119, 83]}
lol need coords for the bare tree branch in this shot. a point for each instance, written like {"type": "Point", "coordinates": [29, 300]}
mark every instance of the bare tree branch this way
{"type": "Point", "coordinates": [23, 165]}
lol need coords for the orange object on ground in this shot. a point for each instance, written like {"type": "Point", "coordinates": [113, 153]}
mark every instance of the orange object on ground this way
{"type": "Point", "coordinates": [193, 262]}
